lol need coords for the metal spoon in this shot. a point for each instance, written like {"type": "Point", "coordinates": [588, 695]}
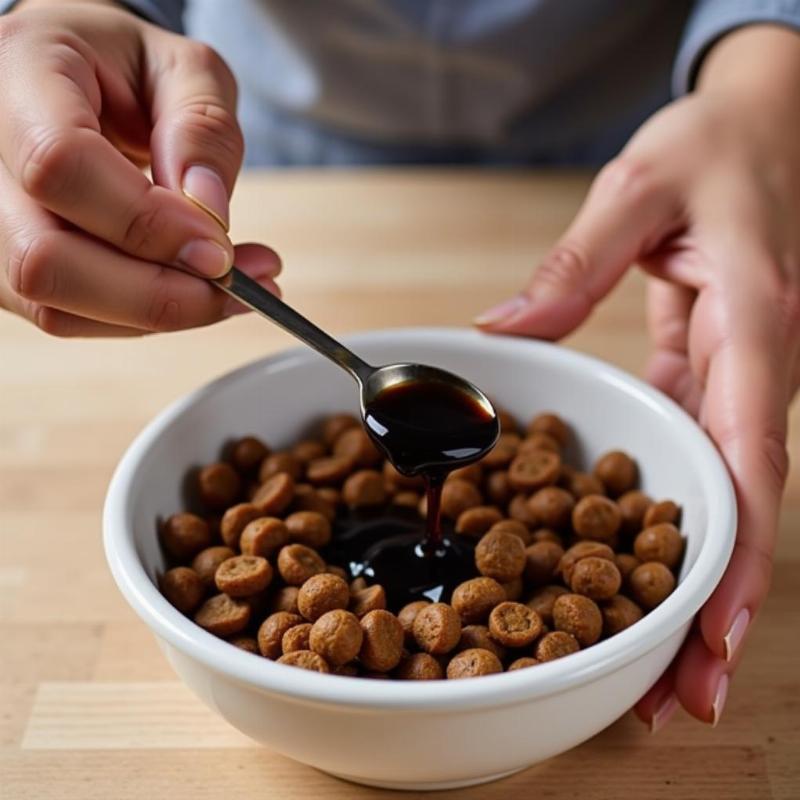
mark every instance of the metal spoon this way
{"type": "Point", "coordinates": [371, 380]}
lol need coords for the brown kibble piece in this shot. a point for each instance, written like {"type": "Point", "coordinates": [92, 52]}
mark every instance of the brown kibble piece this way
{"type": "Point", "coordinates": [222, 615]}
{"type": "Point", "coordinates": [475, 598]}
{"type": "Point", "coordinates": [285, 599]}
{"type": "Point", "coordinates": [335, 569]}
{"type": "Point", "coordinates": [473, 663]}
{"type": "Point", "coordinates": [633, 506]}
{"type": "Point", "coordinates": [280, 462]}
{"type": "Point", "coordinates": [270, 634]}
{"type": "Point", "coordinates": [578, 615]}
{"type": "Point", "coordinates": [263, 537]}
{"type": "Point", "coordinates": [305, 659]}
{"type": "Point", "coordinates": [274, 495]}
{"type": "Point", "coordinates": [307, 498]}
{"type": "Point", "coordinates": [556, 644]}
{"type": "Point", "coordinates": [534, 470]}
{"type": "Point", "coordinates": [541, 562]}
{"type": "Point", "coordinates": [597, 578]}
{"type": "Point", "coordinates": [514, 526]}
{"type": "Point", "coordinates": [382, 646]}
{"type": "Point", "coordinates": [406, 499]}
{"type": "Point", "coordinates": [307, 450]}
{"type": "Point", "coordinates": [219, 485]}
{"type": "Point", "coordinates": [626, 563]}
{"type": "Point", "coordinates": [596, 517]}
{"type": "Point", "coordinates": [322, 593]}
{"type": "Point", "coordinates": [546, 535]}
{"type": "Point", "coordinates": [296, 638]}
{"type": "Point", "coordinates": [309, 528]}
{"type": "Point", "coordinates": [500, 555]}
{"type": "Point", "coordinates": [618, 472]}
{"type": "Point", "coordinates": [328, 470]}
{"type": "Point", "coordinates": [619, 613]}
{"type": "Point", "coordinates": [650, 584]}
{"type": "Point", "coordinates": [661, 542]}
{"type": "Point", "coordinates": [458, 496]}
{"type": "Point", "coordinates": [503, 452]}
{"type": "Point", "coordinates": [498, 488]}
{"type": "Point", "coordinates": [552, 425]}
{"type": "Point", "coordinates": [205, 563]}
{"type": "Point", "coordinates": [522, 663]}
{"type": "Point", "coordinates": [542, 601]}
{"type": "Point", "coordinates": [580, 484]}
{"type": "Point", "coordinates": [407, 615]}
{"type": "Point", "coordinates": [663, 511]}
{"type": "Point", "coordinates": [246, 643]}
{"type": "Point", "coordinates": [419, 667]}
{"type": "Point", "coordinates": [356, 445]}
{"type": "Point", "coordinates": [514, 624]}
{"type": "Point", "coordinates": [364, 489]}
{"type": "Point", "coordinates": [183, 587]}
{"type": "Point", "coordinates": [518, 510]}
{"type": "Point", "coordinates": [582, 550]}
{"type": "Point", "coordinates": [478, 636]}
{"type": "Point", "coordinates": [475, 521]}
{"type": "Point", "coordinates": [539, 441]}
{"type": "Point", "coordinates": [185, 535]}
{"type": "Point", "coordinates": [247, 453]}
{"type": "Point", "coordinates": [297, 563]}
{"type": "Point", "coordinates": [552, 507]}
{"type": "Point", "coordinates": [337, 636]}
{"type": "Point", "coordinates": [335, 425]}
{"type": "Point", "coordinates": [513, 588]}
{"type": "Point", "coordinates": [330, 495]}
{"type": "Point", "coordinates": [437, 628]}
{"type": "Point", "coordinates": [396, 480]}
{"type": "Point", "coordinates": [472, 473]}
{"type": "Point", "coordinates": [234, 521]}
{"type": "Point", "coordinates": [357, 584]}
{"type": "Point", "coordinates": [243, 576]}
{"type": "Point", "coordinates": [367, 599]}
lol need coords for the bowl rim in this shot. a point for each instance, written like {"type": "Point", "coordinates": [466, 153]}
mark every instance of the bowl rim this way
{"type": "Point", "coordinates": [495, 690]}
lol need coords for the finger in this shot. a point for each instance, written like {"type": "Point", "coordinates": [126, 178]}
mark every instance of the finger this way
{"type": "Point", "coordinates": [660, 702]}
{"type": "Point", "coordinates": [627, 213]}
{"type": "Point", "coordinates": [196, 143]}
{"type": "Point", "coordinates": [55, 151]}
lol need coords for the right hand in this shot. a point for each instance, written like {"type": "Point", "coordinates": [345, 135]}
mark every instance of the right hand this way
{"type": "Point", "coordinates": [90, 247]}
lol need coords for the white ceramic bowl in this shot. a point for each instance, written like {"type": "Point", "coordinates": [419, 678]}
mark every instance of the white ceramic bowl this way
{"type": "Point", "coordinates": [438, 734]}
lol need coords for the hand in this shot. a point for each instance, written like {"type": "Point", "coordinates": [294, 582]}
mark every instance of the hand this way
{"type": "Point", "coordinates": [90, 246]}
{"type": "Point", "coordinates": [706, 198]}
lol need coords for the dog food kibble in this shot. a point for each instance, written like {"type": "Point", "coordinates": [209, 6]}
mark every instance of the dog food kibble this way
{"type": "Point", "coordinates": [297, 563]}
{"type": "Point", "coordinates": [296, 638]}
{"type": "Point", "coordinates": [663, 511]}
{"type": "Point", "coordinates": [184, 535]}
{"type": "Point", "coordinates": [322, 593]}
{"type": "Point", "coordinates": [596, 517]}
{"type": "Point", "coordinates": [617, 471]}
{"type": "Point", "coordinates": [549, 558]}
{"type": "Point", "coordinates": [556, 644]}
{"type": "Point", "coordinates": [514, 624]}
{"type": "Point", "coordinates": [205, 563]}
{"type": "Point", "coordinates": [337, 636]}
{"type": "Point", "coordinates": [578, 615]}
{"type": "Point", "coordinates": [437, 628]}
{"type": "Point", "coordinates": [243, 576]}
{"type": "Point", "coordinates": [419, 667]}
{"type": "Point", "coordinates": [222, 615]}
{"type": "Point", "coordinates": [305, 659]}
{"type": "Point", "coordinates": [500, 555]}
{"type": "Point", "coordinates": [650, 584]}
{"type": "Point", "coordinates": [473, 663]}
{"type": "Point", "coordinates": [183, 587]}
{"type": "Point", "coordinates": [382, 646]}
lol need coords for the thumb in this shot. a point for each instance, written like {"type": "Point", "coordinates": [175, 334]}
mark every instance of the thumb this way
{"type": "Point", "coordinates": [196, 144]}
{"type": "Point", "coordinates": [627, 213]}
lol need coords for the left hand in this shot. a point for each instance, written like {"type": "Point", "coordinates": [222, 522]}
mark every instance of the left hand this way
{"type": "Point", "coordinates": [706, 198]}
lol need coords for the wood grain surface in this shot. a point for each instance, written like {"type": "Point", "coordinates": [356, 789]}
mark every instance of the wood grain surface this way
{"type": "Point", "coordinates": [90, 708]}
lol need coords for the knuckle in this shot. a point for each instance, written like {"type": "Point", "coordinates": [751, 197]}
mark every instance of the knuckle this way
{"type": "Point", "coordinates": [626, 176]}
{"type": "Point", "coordinates": [567, 265]}
{"type": "Point", "coordinates": [164, 310]}
{"type": "Point", "coordinates": [205, 122]}
{"type": "Point", "coordinates": [767, 447]}
{"type": "Point", "coordinates": [147, 224]}
{"type": "Point", "coordinates": [32, 273]}
{"type": "Point", "coordinates": [48, 162]}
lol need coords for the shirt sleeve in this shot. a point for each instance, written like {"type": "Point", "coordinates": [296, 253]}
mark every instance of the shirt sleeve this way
{"type": "Point", "coordinates": [712, 19]}
{"type": "Point", "coordinates": [166, 13]}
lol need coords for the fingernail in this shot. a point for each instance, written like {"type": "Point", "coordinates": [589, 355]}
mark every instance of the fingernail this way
{"type": "Point", "coordinates": [205, 188]}
{"type": "Point", "coordinates": [736, 633]}
{"type": "Point", "coordinates": [663, 714]}
{"type": "Point", "coordinates": [206, 257]}
{"type": "Point", "coordinates": [719, 700]}
{"type": "Point", "coordinates": [505, 311]}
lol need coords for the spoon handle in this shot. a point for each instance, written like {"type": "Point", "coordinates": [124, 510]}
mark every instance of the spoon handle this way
{"type": "Point", "coordinates": [252, 294]}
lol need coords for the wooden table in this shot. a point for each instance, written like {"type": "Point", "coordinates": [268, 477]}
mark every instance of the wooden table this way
{"type": "Point", "coordinates": [90, 708]}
